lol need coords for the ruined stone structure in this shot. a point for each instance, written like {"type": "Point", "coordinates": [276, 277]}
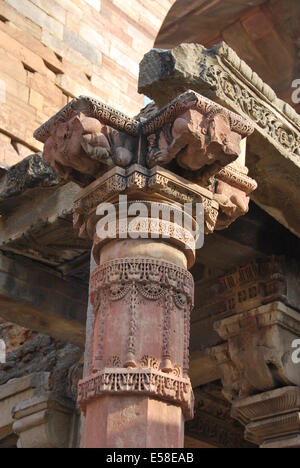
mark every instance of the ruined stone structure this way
{"type": "Point", "coordinates": [143, 339]}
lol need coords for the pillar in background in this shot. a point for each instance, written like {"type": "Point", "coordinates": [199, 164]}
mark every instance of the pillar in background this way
{"type": "Point", "coordinates": [258, 361]}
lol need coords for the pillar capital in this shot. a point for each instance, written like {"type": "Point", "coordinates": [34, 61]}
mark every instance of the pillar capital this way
{"type": "Point", "coordinates": [272, 419]}
{"type": "Point", "coordinates": [202, 143]}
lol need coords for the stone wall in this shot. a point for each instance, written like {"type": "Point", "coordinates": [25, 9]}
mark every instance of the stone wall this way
{"type": "Point", "coordinates": [52, 50]}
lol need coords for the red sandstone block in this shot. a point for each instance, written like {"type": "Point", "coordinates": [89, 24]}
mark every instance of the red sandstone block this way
{"type": "Point", "coordinates": [25, 24]}
{"type": "Point", "coordinates": [36, 100]}
{"type": "Point", "coordinates": [46, 88]}
{"type": "Point", "coordinates": [76, 64]}
{"type": "Point", "coordinates": [18, 120]}
{"type": "Point", "coordinates": [73, 22]}
{"type": "Point", "coordinates": [96, 4]}
{"type": "Point", "coordinates": [124, 61]}
{"type": "Point", "coordinates": [25, 55]}
{"type": "Point", "coordinates": [97, 39]}
{"type": "Point", "coordinates": [16, 88]}
{"type": "Point", "coordinates": [8, 155]}
{"type": "Point", "coordinates": [73, 6]}
{"type": "Point", "coordinates": [52, 8]}
{"type": "Point", "coordinates": [12, 66]}
{"type": "Point", "coordinates": [34, 45]}
{"type": "Point", "coordinates": [38, 16]}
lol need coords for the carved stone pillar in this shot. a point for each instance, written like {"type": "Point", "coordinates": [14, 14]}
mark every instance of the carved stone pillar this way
{"type": "Point", "coordinates": [258, 361]}
{"type": "Point", "coordinates": [137, 392]}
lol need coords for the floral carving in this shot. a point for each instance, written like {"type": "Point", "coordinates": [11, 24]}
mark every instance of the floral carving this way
{"type": "Point", "coordinates": [118, 274]}
{"type": "Point", "coordinates": [142, 280]}
{"type": "Point", "coordinates": [148, 382]}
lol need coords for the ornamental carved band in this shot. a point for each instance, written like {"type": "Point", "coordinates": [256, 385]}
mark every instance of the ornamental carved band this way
{"type": "Point", "coordinates": [148, 360]}
{"type": "Point", "coordinates": [141, 381]}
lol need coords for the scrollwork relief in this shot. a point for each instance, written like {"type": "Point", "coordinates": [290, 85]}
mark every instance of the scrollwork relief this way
{"type": "Point", "coordinates": [246, 101]}
{"type": "Point", "coordinates": [115, 276]}
{"type": "Point", "coordinates": [138, 381]}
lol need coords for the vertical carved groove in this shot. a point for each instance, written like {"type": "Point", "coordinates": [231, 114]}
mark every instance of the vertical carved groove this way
{"type": "Point", "coordinates": [131, 356]}
{"type": "Point", "coordinates": [166, 355]}
{"type": "Point", "coordinates": [187, 326]}
{"type": "Point", "coordinates": [99, 356]}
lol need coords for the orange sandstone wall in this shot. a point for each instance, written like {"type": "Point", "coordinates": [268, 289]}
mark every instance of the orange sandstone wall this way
{"type": "Point", "coordinates": [53, 50]}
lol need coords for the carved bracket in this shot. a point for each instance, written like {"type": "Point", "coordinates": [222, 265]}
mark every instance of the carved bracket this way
{"type": "Point", "coordinates": [272, 419]}
{"type": "Point", "coordinates": [190, 134]}
{"type": "Point", "coordinates": [258, 348]}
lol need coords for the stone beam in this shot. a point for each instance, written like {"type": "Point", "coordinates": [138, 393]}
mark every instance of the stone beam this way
{"type": "Point", "coordinates": [240, 291]}
{"type": "Point", "coordinates": [203, 369]}
{"type": "Point", "coordinates": [36, 414]}
{"type": "Point", "coordinates": [32, 297]}
{"type": "Point", "coordinates": [36, 216]}
{"type": "Point", "coordinates": [12, 393]}
{"type": "Point", "coordinates": [219, 74]}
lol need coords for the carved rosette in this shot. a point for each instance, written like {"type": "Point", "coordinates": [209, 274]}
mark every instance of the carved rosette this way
{"type": "Point", "coordinates": [127, 294]}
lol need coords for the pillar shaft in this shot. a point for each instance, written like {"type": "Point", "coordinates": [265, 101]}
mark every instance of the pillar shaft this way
{"type": "Point", "coordinates": [138, 385]}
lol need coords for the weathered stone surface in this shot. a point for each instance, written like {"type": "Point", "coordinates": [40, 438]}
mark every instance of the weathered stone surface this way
{"type": "Point", "coordinates": [254, 30]}
{"type": "Point", "coordinates": [51, 51]}
{"type": "Point", "coordinates": [13, 392]}
{"type": "Point", "coordinates": [38, 225]}
{"type": "Point", "coordinates": [32, 172]}
{"type": "Point", "coordinates": [257, 353]}
{"type": "Point", "coordinates": [273, 150]}
{"type": "Point", "coordinates": [272, 419]}
{"type": "Point", "coordinates": [36, 410]}
{"type": "Point", "coordinates": [190, 133]}
{"type": "Point", "coordinates": [212, 422]}
{"type": "Point", "coordinates": [43, 422]}
{"type": "Point", "coordinates": [14, 335]}
{"type": "Point", "coordinates": [131, 355]}
{"type": "Point", "coordinates": [44, 354]}
{"type": "Point", "coordinates": [26, 298]}
{"type": "Point", "coordinates": [39, 408]}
